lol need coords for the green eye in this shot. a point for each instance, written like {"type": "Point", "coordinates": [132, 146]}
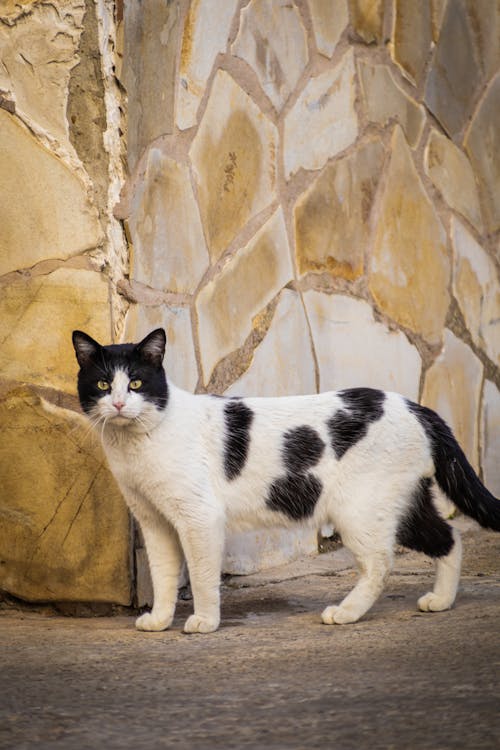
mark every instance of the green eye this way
{"type": "Point", "coordinates": [103, 385]}
{"type": "Point", "coordinates": [135, 384]}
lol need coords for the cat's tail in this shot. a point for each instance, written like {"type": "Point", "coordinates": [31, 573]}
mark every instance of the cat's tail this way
{"type": "Point", "coordinates": [454, 474]}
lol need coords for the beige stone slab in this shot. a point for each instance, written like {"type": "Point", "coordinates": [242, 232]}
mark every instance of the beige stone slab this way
{"type": "Point", "coordinates": [477, 289]}
{"type": "Point", "coordinates": [37, 317]}
{"type": "Point", "coordinates": [282, 364]}
{"type": "Point", "coordinates": [452, 174]}
{"type": "Point", "coordinates": [409, 265]}
{"type": "Point", "coordinates": [385, 100]}
{"type": "Point", "coordinates": [272, 40]}
{"type": "Point", "coordinates": [169, 247]}
{"type": "Point", "coordinates": [37, 54]}
{"type": "Point", "coordinates": [452, 387]}
{"type": "Point", "coordinates": [180, 360]}
{"type": "Point", "coordinates": [482, 143]}
{"type": "Point", "coordinates": [411, 37]}
{"type": "Point", "coordinates": [206, 32]}
{"type": "Point", "coordinates": [64, 528]}
{"type": "Point", "coordinates": [45, 211]}
{"type": "Point", "coordinates": [227, 305]}
{"type": "Point", "coordinates": [234, 162]}
{"type": "Point", "coordinates": [353, 350]}
{"type": "Point", "coordinates": [490, 437]}
{"type": "Point", "coordinates": [323, 120]}
{"type": "Point", "coordinates": [332, 218]}
{"type": "Point", "coordinates": [367, 19]}
{"type": "Point", "coordinates": [329, 19]}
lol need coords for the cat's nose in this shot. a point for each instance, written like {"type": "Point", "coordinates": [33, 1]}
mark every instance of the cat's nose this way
{"type": "Point", "coordinates": [118, 405]}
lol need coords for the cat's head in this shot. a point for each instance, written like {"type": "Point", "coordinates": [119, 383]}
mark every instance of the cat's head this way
{"type": "Point", "coordinates": [122, 384]}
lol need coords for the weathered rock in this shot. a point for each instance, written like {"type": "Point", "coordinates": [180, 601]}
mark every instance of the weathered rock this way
{"type": "Point", "coordinates": [45, 211]}
{"type": "Point", "coordinates": [325, 108]}
{"type": "Point", "coordinates": [37, 317]}
{"type": "Point", "coordinates": [451, 172]}
{"type": "Point", "coordinates": [490, 437]}
{"type": "Point", "coordinates": [367, 19]}
{"type": "Point", "coordinates": [455, 76]}
{"type": "Point", "coordinates": [167, 236]}
{"type": "Point", "coordinates": [246, 284]}
{"type": "Point", "coordinates": [329, 19]}
{"type": "Point", "coordinates": [272, 40]}
{"type": "Point", "coordinates": [332, 218]}
{"type": "Point", "coordinates": [354, 350]}
{"type": "Point", "coordinates": [180, 360]}
{"type": "Point", "coordinates": [411, 38]}
{"type": "Point", "coordinates": [409, 255]}
{"type": "Point", "coordinates": [205, 35]}
{"type": "Point", "coordinates": [477, 289]}
{"type": "Point", "coordinates": [277, 368]}
{"type": "Point", "coordinates": [384, 100]}
{"type": "Point", "coordinates": [482, 143]}
{"type": "Point", "coordinates": [64, 530]}
{"type": "Point", "coordinates": [234, 160]}
{"type": "Point", "coordinates": [151, 32]}
{"type": "Point", "coordinates": [438, 8]}
{"type": "Point", "coordinates": [37, 53]}
{"type": "Point", "coordinates": [452, 387]}
{"type": "Point", "coordinates": [250, 551]}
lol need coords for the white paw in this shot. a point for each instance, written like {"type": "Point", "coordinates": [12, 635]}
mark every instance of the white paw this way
{"type": "Point", "coordinates": [431, 602]}
{"type": "Point", "coordinates": [338, 615]}
{"type": "Point", "coordinates": [152, 623]}
{"type": "Point", "coordinates": [201, 624]}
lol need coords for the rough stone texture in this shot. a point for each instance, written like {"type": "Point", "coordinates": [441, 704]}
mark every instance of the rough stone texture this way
{"type": "Point", "coordinates": [180, 360]}
{"type": "Point", "coordinates": [411, 38]}
{"type": "Point", "coordinates": [205, 35]}
{"type": "Point", "coordinates": [452, 387]}
{"type": "Point", "coordinates": [332, 218]}
{"type": "Point", "coordinates": [490, 437]}
{"type": "Point", "coordinates": [329, 19]}
{"type": "Point", "coordinates": [37, 317]}
{"type": "Point", "coordinates": [152, 31]}
{"type": "Point", "coordinates": [354, 350]}
{"type": "Point", "coordinates": [477, 289]}
{"type": "Point", "coordinates": [246, 284]}
{"type": "Point", "coordinates": [37, 54]}
{"type": "Point", "coordinates": [45, 211]}
{"type": "Point", "coordinates": [234, 160]}
{"type": "Point", "coordinates": [325, 108]}
{"type": "Point", "coordinates": [367, 19]}
{"type": "Point", "coordinates": [454, 77]}
{"type": "Point", "coordinates": [483, 146]}
{"type": "Point", "coordinates": [277, 367]}
{"type": "Point", "coordinates": [64, 531]}
{"type": "Point", "coordinates": [166, 232]}
{"type": "Point", "coordinates": [248, 551]}
{"type": "Point", "coordinates": [272, 40]}
{"type": "Point", "coordinates": [451, 172]}
{"type": "Point", "coordinates": [384, 101]}
{"type": "Point", "coordinates": [409, 255]}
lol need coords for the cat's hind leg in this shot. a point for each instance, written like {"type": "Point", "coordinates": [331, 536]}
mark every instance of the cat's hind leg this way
{"type": "Point", "coordinates": [447, 579]}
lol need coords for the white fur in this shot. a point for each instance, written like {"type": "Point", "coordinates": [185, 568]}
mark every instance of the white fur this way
{"type": "Point", "coordinates": [169, 465]}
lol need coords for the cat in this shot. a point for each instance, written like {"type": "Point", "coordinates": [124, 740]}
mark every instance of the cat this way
{"type": "Point", "coordinates": [371, 463]}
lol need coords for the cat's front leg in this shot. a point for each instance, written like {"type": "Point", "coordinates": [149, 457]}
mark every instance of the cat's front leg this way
{"type": "Point", "coordinates": [165, 560]}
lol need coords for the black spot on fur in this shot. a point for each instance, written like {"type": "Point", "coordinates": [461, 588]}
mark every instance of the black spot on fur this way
{"type": "Point", "coordinates": [295, 495]}
{"type": "Point", "coordinates": [238, 420]}
{"type": "Point", "coordinates": [350, 424]}
{"type": "Point", "coordinates": [302, 449]}
{"type": "Point", "coordinates": [423, 529]}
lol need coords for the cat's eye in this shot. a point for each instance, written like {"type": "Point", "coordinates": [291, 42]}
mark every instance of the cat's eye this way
{"type": "Point", "coordinates": [135, 384]}
{"type": "Point", "coordinates": [103, 385]}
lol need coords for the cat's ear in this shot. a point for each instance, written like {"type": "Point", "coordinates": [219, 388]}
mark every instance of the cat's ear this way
{"type": "Point", "coordinates": [86, 349]}
{"type": "Point", "coordinates": [152, 348]}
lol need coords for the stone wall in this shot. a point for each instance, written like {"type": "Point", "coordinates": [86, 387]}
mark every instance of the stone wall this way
{"type": "Point", "coordinates": [312, 202]}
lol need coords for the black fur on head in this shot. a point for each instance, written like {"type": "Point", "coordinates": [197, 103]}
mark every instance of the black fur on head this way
{"type": "Point", "coordinates": [142, 361]}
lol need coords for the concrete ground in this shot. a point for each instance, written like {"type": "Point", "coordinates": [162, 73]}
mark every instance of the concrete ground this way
{"type": "Point", "coordinates": [273, 676]}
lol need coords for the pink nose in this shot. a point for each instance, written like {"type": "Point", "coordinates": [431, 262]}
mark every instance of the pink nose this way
{"type": "Point", "coordinates": [118, 405]}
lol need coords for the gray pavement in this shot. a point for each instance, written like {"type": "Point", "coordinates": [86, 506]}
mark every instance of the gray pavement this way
{"type": "Point", "coordinates": [273, 676]}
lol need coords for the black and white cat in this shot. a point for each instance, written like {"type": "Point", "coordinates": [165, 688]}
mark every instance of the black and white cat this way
{"type": "Point", "coordinates": [370, 463]}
